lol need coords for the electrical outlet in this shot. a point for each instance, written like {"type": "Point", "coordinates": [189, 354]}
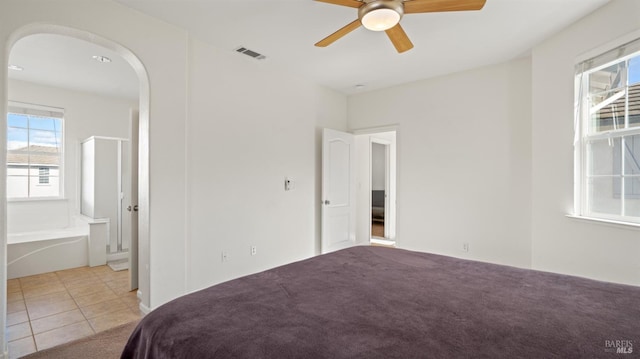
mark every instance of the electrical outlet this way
{"type": "Point", "coordinates": [254, 250]}
{"type": "Point", "coordinates": [225, 256]}
{"type": "Point", "coordinates": [465, 247]}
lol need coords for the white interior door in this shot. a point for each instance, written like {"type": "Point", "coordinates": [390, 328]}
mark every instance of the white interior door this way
{"type": "Point", "coordinates": [133, 213]}
{"type": "Point", "coordinates": [338, 191]}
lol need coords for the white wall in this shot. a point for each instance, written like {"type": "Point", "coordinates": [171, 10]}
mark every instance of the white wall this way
{"type": "Point", "coordinates": [464, 160]}
{"type": "Point", "coordinates": [223, 134]}
{"type": "Point", "coordinates": [86, 115]}
{"type": "Point", "coordinates": [249, 128]}
{"type": "Point", "coordinates": [159, 53]}
{"type": "Point", "coordinates": [561, 244]}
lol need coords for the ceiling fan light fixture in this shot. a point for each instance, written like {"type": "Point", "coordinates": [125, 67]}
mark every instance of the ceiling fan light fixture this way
{"type": "Point", "coordinates": [380, 15]}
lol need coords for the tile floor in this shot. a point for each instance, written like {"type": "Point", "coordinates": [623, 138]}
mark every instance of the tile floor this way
{"type": "Point", "coordinates": [50, 309]}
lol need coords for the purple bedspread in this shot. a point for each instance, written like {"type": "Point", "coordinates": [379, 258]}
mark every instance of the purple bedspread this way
{"type": "Point", "coordinates": [374, 302]}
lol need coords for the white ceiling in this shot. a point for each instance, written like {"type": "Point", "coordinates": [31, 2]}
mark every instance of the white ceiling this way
{"type": "Point", "coordinates": [285, 31]}
{"type": "Point", "coordinates": [65, 62]}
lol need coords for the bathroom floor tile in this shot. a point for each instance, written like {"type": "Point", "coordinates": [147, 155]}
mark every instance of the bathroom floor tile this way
{"type": "Point", "coordinates": [113, 320]}
{"type": "Point", "coordinates": [123, 290]}
{"type": "Point", "coordinates": [38, 280]}
{"type": "Point", "coordinates": [21, 347]}
{"type": "Point", "coordinates": [132, 303]}
{"type": "Point", "coordinates": [13, 285]}
{"type": "Point", "coordinates": [56, 321]}
{"type": "Point", "coordinates": [96, 297]}
{"type": "Point", "coordinates": [43, 289]}
{"type": "Point", "coordinates": [48, 298]}
{"type": "Point", "coordinates": [13, 296]}
{"type": "Point", "coordinates": [87, 289]}
{"type": "Point", "coordinates": [94, 310]}
{"type": "Point", "coordinates": [18, 331]}
{"type": "Point", "coordinates": [44, 310]}
{"type": "Point", "coordinates": [81, 282]}
{"type": "Point", "coordinates": [100, 269]}
{"type": "Point", "coordinates": [17, 317]}
{"type": "Point", "coordinates": [63, 335]}
{"type": "Point", "coordinates": [50, 309]}
{"type": "Point", "coordinates": [16, 306]}
{"type": "Point", "coordinates": [67, 276]}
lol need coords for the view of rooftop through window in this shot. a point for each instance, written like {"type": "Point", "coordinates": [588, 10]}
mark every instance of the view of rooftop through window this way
{"type": "Point", "coordinates": [34, 156]}
{"type": "Point", "coordinates": [610, 139]}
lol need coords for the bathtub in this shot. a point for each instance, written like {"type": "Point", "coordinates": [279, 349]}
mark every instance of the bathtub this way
{"type": "Point", "coordinates": [43, 251]}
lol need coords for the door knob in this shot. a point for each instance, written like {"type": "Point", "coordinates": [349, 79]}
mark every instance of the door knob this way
{"type": "Point", "coordinates": [134, 208]}
{"type": "Point", "coordinates": [327, 202]}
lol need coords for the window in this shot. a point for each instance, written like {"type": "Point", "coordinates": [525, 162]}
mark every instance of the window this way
{"type": "Point", "coordinates": [43, 176]}
{"type": "Point", "coordinates": [34, 151]}
{"type": "Point", "coordinates": [607, 146]}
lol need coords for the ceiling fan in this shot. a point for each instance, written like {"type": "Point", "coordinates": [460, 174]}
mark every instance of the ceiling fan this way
{"type": "Point", "coordinates": [385, 15]}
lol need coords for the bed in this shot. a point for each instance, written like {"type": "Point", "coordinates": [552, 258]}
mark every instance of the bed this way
{"type": "Point", "coordinates": [376, 302]}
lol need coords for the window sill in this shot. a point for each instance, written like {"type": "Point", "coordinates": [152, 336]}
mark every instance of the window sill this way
{"type": "Point", "coordinates": [608, 222]}
{"type": "Point", "coordinates": [41, 199]}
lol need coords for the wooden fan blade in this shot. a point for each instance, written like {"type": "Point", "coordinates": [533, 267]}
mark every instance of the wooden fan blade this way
{"type": "Point", "coordinates": [338, 34]}
{"type": "Point", "coordinates": [399, 38]}
{"type": "Point", "coordinates": [419, 6]}
{"type": "Point", "coordinates": [349, 3]}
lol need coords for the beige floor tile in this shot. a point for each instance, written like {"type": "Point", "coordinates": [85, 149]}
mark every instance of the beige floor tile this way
{"type": "Point", "coordinates": [21, 347]}
{"type": "Point", "coordinates": [17, 317]}
{"type": "Point", "coordinates": [113, 320]}
{"type": "Point", "coordinates": [75, 275]}
{"type": "Point", "coordinates": [131, 302]}
{"type": "Point", "coordinates": [129, 294]}
{"type": "Point", "coordinates": [101, 269]}
{"type": "Point", "coordinates": [96, 297]}
{"type": "Point", "coordinates": [80, 279]}
{"type": "Point", "coordinates": [18, 331]}
{"type": "Point", "coordinates": [44, 310]}
{"type": "Point", "coordinates": [94, 310]}
{"type": "Point", "coordinates": [43, 289]}
{"type": "Point", "coordinates": [38, 280]}
{"type": "Point", "coordinates": [47, 298]}
{"type": "Point", "coordinates": [118, 282]}
{"type": "Point", "coordinates": [49, 309]}
{"type": "Point", "coordinates": [16, 306]}
{"type": "Point", "coordinates": [56, 321]}
{"type": "Point", "coordinates": [63, 335]}
{"type": "Point", "coordinates": [81, 282]}
{"type": "Point", "coordinates": [111, 276]}
{"type": "Point", "coordinates": [13, 285]}
{"type": "Point", "coordinates": [74, 271]}
{"type": "Point", "coordinates": [13, 296]}
{"type": "Point", "coordinates": [87, 289]}
{"type": "Point", "coordinates": [122, 290]}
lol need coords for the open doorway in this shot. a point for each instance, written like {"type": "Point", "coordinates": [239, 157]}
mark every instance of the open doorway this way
{"type": "Point", "coordinates": [376, 194]}
{"type": "Point", "coordinates": [51, 241]}
{"type": "Point", "coordinates": [379, 189]}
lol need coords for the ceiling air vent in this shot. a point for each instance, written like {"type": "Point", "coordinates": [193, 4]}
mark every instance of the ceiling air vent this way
{"type": "Point", "coordinates": [255, 55]}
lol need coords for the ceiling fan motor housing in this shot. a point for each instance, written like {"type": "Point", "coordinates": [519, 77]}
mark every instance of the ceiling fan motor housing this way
{"type": "Point", "coordinates": [370, 7]}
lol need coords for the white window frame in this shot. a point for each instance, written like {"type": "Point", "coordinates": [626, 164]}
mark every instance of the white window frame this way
{"type": "Point", "coordinates": [621, 50]}
{"type": "Point", "coordinates": [30, 109]}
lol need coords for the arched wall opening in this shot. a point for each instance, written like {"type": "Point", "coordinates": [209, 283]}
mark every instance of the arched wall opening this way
{"type": "Point", "coordinates": [143, 146]}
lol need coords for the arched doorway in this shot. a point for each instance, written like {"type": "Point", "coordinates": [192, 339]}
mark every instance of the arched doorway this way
{"type": "Point", "coordinates": [143, 167]}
